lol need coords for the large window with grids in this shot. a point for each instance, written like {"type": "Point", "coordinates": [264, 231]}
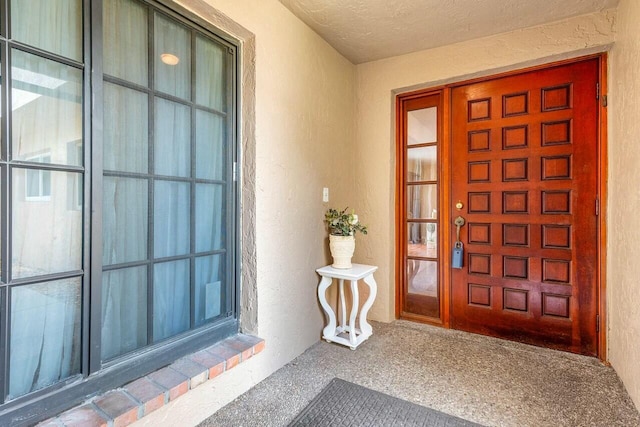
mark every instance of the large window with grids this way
{"type": "Point", "coordinates": [118, 194]}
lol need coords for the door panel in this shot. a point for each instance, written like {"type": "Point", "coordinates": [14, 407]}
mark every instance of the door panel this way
{"type": "Point", "coordinates": [524, 166]}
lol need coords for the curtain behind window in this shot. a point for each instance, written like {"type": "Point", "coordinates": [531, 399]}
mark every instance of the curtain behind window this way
{"type": "Point", "coordinates": [45, 318]}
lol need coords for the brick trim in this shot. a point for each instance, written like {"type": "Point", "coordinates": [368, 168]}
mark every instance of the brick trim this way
{"type": "Point", "coordinates": [121, 407]}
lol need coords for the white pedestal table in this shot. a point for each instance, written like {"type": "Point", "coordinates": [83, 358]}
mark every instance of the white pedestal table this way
{"type": "Point", "coordinates": [351, 337]}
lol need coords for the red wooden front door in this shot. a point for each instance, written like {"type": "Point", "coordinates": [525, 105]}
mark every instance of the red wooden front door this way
{"type": "Point", "coordinates": [524, 168]}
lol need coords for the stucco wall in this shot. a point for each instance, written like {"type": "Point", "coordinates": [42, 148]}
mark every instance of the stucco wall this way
{"type": "Point", "coordinates": [378, 81]}
{"type": "Point", "coordinates": [624, 200]}
{"type": "Point", "coordinates": [305, 123]}
{"type": "Point", "coordinates": [304, 129]}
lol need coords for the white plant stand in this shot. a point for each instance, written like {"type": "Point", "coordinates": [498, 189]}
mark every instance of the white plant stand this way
{"type": "Point", "coordinates": [351, 336]}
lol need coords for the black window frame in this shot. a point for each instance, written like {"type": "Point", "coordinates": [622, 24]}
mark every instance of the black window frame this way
{"type": "Point", "coordinates": [97, 376]}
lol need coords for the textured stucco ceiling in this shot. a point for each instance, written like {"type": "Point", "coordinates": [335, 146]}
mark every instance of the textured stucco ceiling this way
{"type": "Point", "coordinates": [367, 30]}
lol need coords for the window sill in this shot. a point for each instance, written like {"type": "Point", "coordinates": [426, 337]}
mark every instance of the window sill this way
{"type": "Point", "coordinates": [130, 403]}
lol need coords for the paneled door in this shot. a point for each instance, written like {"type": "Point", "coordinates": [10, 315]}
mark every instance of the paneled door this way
{"type": "Point", "coordinates": [524, 178]}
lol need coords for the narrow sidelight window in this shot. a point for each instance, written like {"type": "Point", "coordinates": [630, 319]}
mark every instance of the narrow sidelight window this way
{"type": "Point", "coordinates": [419, 150]}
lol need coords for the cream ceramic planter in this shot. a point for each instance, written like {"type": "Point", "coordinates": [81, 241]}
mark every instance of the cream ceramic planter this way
{"type": "Point", "coordinates": [342, 248]}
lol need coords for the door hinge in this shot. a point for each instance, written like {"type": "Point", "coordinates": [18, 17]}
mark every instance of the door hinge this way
{"type": "Point", "coordinates": [235, 171]}
{"type": "Point", "coordinates": [604, 97]}
{"type": "Point", "coordinates": [597, 323]}
{"type": "Point", "coordinates": [597, 207]}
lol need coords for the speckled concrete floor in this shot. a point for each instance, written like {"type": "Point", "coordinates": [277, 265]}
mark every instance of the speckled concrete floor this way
{"type": "Point", "coordinates": [486, 380]}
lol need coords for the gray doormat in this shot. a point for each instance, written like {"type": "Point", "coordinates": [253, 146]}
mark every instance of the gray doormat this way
{"type": "Point", "coordinates": [342, 403]}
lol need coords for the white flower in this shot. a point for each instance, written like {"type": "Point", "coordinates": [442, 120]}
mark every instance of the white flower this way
{"type": "Point", "coordinates": [354, 219]}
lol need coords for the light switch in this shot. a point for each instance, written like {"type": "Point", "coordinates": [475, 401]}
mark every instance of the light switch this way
{"type": "Point", "coordinates": [325, 194]}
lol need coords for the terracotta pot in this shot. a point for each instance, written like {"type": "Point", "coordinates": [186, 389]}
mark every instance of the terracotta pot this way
{"type": "Point", "coordinates": [342, 248]}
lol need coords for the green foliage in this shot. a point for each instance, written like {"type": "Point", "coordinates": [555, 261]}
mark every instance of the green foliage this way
{"type": "Point", "coordinates": [341, 223]}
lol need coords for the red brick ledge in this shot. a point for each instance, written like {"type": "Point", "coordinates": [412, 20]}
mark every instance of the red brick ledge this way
{"type": "Point", "coordinates": [121, 407]}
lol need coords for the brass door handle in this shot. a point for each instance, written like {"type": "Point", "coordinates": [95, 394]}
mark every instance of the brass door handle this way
{"type": "Point", "coordinates": [459, 222]}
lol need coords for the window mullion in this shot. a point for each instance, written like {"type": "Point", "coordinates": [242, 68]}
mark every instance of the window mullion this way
{"type": "Point", "coordinates": [4, 203]}
{"type": "Point", "coordinates": [232, 258]}
{"type": "Point", "coordinates": [4, 336]}
{"type": "Point", "coordinates": [151, 183]}
{"type": "Point", "coordinates": [192, 219]}
{"type": "Point", "coordinates": [92, 200]}
{"type": "Point", "coordinates": [41, 183]}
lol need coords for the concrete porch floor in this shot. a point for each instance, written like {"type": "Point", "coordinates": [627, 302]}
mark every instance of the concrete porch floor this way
{"type": "Point", "coordinates": [486, 380]}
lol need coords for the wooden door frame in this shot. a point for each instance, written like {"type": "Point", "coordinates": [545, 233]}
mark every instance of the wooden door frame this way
{"type": "Point", "coordinates": [443, 199]}
{"type": "Point", "coordinates": [445, 194]}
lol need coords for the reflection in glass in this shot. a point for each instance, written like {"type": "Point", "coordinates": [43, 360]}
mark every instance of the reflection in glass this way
{"type": "Point", "coordinates": [172, 58]}
{"type": "Point", "coordinates": [124, 220]}
{"type": "Point", "coordinates": [209, 217]}
{"type": "Point", "coordinates": [211, 74]}
{"type": "Point", "coordinates": [47, 226]}
{"type": "Point", "coordinates": [422, 201]}
{"type": "Point", "coordinates": [44, 344]}
{"type": "Point", "coordinates": [172, 151]}
{"type": "Point", "coordinates": [170, 299]}
{"type": "Point", "coordinates": [124, 311]}
{"type": "Point", "coordinates": [210, 146]}
{"type": "Point", "coordinates": [125, 40]}
{"type": "Point", "coordinates": [209, 288]}
{"type": "Point", "coordinates": [422, 277]}
{"type": "Point", "coordinates": [422, 126]}
{"type": "Point", "coordinates": [422, 164]}
{"type": "Point", "coordinates": [51, 25]}
{"type": "Point", "coordinates": [48, 94]}
{"type": "Point", "coordinates": [171, 214]}
{"type": "Point", "coordinates": [38, 182]}
{"type": "Point", "coordinates": [422, 239]}
{"type": "Point", "coordinates": [126, 131]}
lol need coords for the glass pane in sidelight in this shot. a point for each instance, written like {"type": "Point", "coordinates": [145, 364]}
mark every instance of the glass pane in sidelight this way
{"type": "Point", "coordinates": [125, 220]}
{"type": "Point", "coordinates": [422, 240]}
{"type": "Point", "coordinates": [44, 345]}
{"type": "Point", "coordinates": [210, 288]}
{"type": "Point", "coordinates": [172, 150]}
{"type": "Point", "coordinates": [51, 25]}
{"type": "Point", "coordinates": [171, 299]}
{"type": "Point", "coordinates": [46, 101]}
{"type": "Point", "coordinates": [211, 74]}
{"type": "Point", "coordinates": [211, 147]}
{"type": "Point", "coordinates": [210, 231]}
{"type": "Point", "coordinates": [422, 277]}
{"type": "Point", "coordinates": [126, 129]}
{"type": "Point", "coordinates": [422, 201]}
{"type": "Point", "coordinates": [125, 40]}
{"type": "Point", "coordinates": [124, 311]}
{"type": "Point", "coordinates": [46, 222]}
{"type": "Point", "coordinates": [422, 164]}
{"type": "Point", "coordinates": [171, 218]}
{"type": "Point", "coordinates": [172, 57]}
{"type": "Point", "coordinates": [422, 126]}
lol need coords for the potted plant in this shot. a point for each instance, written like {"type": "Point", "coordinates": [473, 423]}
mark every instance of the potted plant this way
{"type": "Point", "coordinates": [342, 229]}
